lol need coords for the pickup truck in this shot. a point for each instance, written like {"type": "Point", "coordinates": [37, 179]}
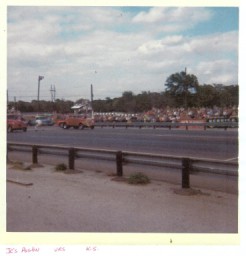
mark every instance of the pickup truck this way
{"type": "Point", "coordinates": [16, 122]}
{"type": "Point", "coordinates": [77, 122]}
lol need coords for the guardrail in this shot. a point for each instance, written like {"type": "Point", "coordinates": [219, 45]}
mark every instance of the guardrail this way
{"type": "Point", "coordinates": [186, 165]}
{"type": "Point", "coordinates": [169, 125]}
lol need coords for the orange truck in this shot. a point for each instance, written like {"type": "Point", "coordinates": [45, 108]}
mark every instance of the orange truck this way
{"type": "Point", "coordinates": [16, 122]}
{"type": "Point", "coordinates": [77, 122]}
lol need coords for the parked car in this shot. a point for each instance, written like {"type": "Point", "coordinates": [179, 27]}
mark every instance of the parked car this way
{"type": "Point", "coordinates": [77, 122]}
{"type": "Point", "coordinates": [16, 122]}
{"type": "Point", "coordinates": [45, 121]}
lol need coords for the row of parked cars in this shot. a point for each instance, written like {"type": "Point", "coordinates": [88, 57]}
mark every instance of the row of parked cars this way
{"type": "Point", "coordinates": [17, 122]}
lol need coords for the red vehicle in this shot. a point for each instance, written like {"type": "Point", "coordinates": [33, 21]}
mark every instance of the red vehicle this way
{"type": "Point", "coordinates": [16, 122]}
{"type": "Point", "coordinates": [77, 122]}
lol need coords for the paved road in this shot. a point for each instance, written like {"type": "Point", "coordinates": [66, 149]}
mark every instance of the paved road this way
{"type": "Point", "coordinates": [211, 144]}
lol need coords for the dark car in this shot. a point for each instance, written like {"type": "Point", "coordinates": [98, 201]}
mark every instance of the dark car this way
{"type": "Point", "coordinates": [45, 121]}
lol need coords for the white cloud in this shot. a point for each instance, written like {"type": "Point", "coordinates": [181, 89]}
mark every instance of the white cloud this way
{"type": "Point", "coordinates": [216, 43]}
{"type": "Point", "coordinates": [153, 15]}
{"type": "Point", "coordinates": [76, 47]}
{"type": "Point", "coordinates": [195, 48]}
{"type": "Point", "coordinates": [217, 72]}
{"type": "Point", "coordinates": [158, 46]}
{"type": "Point", "coordinates": [173, 19]}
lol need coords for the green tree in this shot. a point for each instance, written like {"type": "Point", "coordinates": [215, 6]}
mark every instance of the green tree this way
{"type": "Point", "coordinates": [182, 87]}
{"type": "Point", "coordinates": [207, 96]}
{"type": "Point", "coordinates": [128, 102]}
{"type": "Point", "coordinates": [63, 106]}
{"type": "Point", "coordinates": [227, 95]}
{"type": "Point", "coordinates": [233, 90]}
{"type": "Point", "coordinates": [143, 102]}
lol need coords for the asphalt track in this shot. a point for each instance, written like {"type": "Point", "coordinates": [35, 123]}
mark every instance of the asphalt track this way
{"type": "Point", "coordinates": [216, 144]}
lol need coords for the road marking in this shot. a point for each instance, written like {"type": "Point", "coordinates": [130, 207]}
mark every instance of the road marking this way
{"type": "Point", "coordinates": [204, 137]}
{"type": "Point", "coordinates": [231, 159]}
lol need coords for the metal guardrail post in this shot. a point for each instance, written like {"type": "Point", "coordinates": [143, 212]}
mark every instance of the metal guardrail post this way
{"type": "Point", "coordinates": [119, 160]}
{"type": "Point", "coordinates": [71, 158]}
{"type": "Point", "coordinates": [186, 164]}
{"type": "Point", "coordinates": [34, 154]}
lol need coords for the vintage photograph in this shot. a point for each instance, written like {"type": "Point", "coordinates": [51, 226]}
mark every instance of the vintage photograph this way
{"type": "Point", "coordinates": [122, 119]}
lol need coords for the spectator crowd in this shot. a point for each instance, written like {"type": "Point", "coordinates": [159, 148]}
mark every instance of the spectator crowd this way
{"type": "Point", "coordinates": [168, 115]}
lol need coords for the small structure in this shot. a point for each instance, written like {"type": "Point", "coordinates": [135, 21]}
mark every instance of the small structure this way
{"type": "Point", "coordinates": [83, 108]}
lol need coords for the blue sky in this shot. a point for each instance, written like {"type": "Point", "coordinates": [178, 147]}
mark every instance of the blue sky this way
{"type": "Point", "coordinates": [117, 49]}
{"type": "Point", "coordinates": [224, 19]}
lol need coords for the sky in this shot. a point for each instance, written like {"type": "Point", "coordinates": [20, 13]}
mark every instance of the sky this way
{"type": "Point", "coordinates": [117, 49]}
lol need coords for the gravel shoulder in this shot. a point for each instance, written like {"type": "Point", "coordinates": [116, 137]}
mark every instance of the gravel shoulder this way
{"type": "Point", "coordinates": [40, 199]}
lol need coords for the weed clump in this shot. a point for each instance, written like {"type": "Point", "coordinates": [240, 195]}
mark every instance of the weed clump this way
{"type": "Point", "coordinates": [138, 178]}
{"type": "Point", "coordinates": [61, 167]}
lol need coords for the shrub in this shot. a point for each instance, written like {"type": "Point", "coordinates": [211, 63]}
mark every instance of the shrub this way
{"type": "Point", "coordinates": [138, 178]}
{"type": "Point", "coordinates": [61, 167]}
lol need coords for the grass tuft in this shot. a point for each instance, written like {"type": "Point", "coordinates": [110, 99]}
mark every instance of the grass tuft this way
{"type": "Point", "coordinates": [138, 178]}
{"type": "Point", "coordinates": [61, 167]}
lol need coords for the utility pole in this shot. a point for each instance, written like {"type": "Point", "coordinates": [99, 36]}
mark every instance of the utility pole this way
{"type": "Point", "coordinates": [53, 93]}
{"type": "Point", "coordinates": [92, 94]}
{"type": "Point", "coordinates": [15, 103]}
{"type": "Point", "coordinates": [185, 88]}
{"type": "Point", "coordinates": [92, 115]}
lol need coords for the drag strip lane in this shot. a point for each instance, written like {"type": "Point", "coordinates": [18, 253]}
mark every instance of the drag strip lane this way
{"type": "Point", "coordinates": [217, 145]}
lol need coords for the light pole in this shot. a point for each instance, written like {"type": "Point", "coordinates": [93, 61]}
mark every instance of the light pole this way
{"type": "Point", "coordinates": [39, 79]}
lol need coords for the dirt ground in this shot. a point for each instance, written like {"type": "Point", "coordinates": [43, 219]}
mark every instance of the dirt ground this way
{"type": "Point", "coordinates": [40, 199]}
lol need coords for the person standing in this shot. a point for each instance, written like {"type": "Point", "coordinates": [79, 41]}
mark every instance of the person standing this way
{"type": "Point", "coordinates": [38, 124]}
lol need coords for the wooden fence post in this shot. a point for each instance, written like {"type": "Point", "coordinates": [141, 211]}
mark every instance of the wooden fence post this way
{"type": "Point", "coordinates": [71, 158]}
{"type": "Point", "coordinates": [186, 165]}
{"type": "Point", "coordinates": [34, 154]}
{"type": "Point", "coordinates": [119, 159]}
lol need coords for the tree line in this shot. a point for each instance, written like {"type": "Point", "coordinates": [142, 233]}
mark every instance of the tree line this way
{"type": "Point", "coordinates": [182, 90]}
{"type": "Point", "coordinates": [206, 96]}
